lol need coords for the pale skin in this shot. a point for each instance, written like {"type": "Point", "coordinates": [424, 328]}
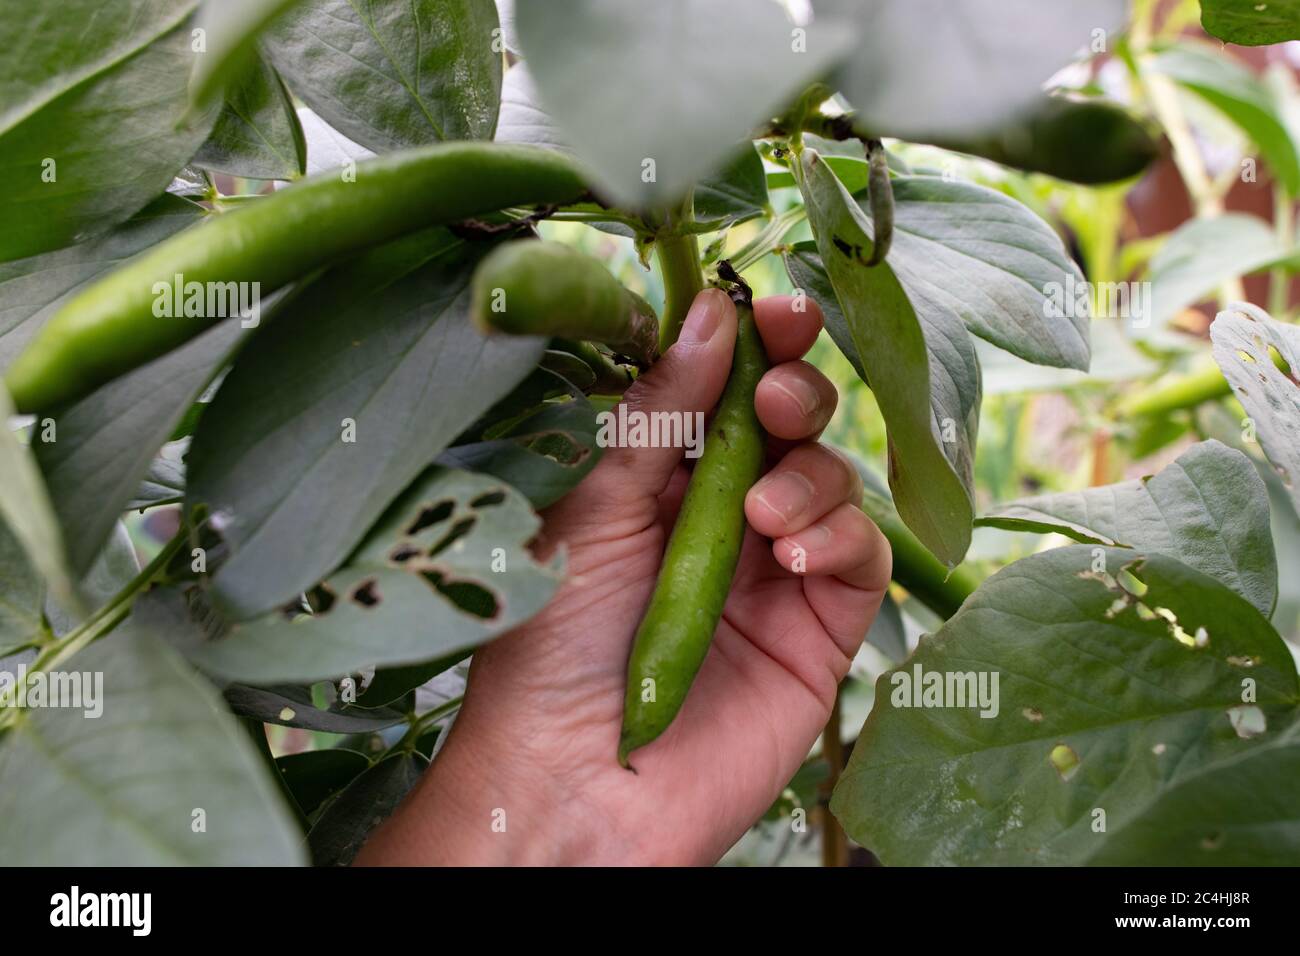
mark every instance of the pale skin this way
{"type": "Point", "coordinates": [533, 750]}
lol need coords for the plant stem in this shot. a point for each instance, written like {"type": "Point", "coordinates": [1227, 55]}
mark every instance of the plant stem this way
{"type": "Point", "coordinates": [679, 260]}
{"type": "Point", "coordinates": [769, 239]}
{"type": "Point", "coordinates": [1279, 280]}
{"type": "Point", "coordinates": [420, 724]}
{"type": "Point", "coordinates": [98, 624]}
{"type": "Point", "coordinates": [916, 569]}
{"type": "Point", "coordinates": [835, 845]}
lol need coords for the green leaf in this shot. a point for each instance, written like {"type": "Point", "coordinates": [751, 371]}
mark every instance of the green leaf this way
{"type": "Point", "coordinates": [1102, 705]}
{"type": "Point", "coordinates": [1083, 141]}
{"type": "Point", "coordinates": [955, 383]}
{"type": "Point", "coordinates": [352, 391]}
{"type": "Point", "coordinates": [112, 570]}
{"type": "Point", "coordinates": [544, 456]}
{"type": "Point", "coordinates": [125, 789]}
{"type": "Point", "coordinates": [684, 82]}
{"type": "Point", "coordinates": [888, 634]}
{"type": "Point", "coordinates": [25, 507]}
{"type": "Point", "coordinates": [1244, 98]}
{"type": "Point", "coordinates": [1241, 336]}
{"type": "Point", "coordinates": [21, 595]}
{"type": "Point", "coordinates": [424, 584]}
{"type": "Point", "coordinates": [1202, 254]}
{"type": "Point", "coordinates": [366, 802]}
{"type": "Point", "coordinates": [316, 775]}
{"type": "Point", "coordinates": [105, 443]}
{"type": "Point", "coordinates": [736, 193]}
{"type": "Point", "coordinates": [522, 118]}
{"type": "Point", "coordinates": [393, 73]}
{"type": "Point", "coordinates": [163, 483]}
{"type": "Point", "coordinates": [933, 68]}
{"type": "Point", "coordinates": [77, 41]}
{"type": "Point", "coordinates": [1251, 23]}
{"type": "Point", "coordinates": [1209, 509]}
{"type": "Point", "coordinates": [931, 496]}
{"type": "Point", "coordinates": [230, 29]}
{"type": "Point", "coordinates": [257, 134]}
{"type": "Point", "coordinates": [33, 289]}
{"type": "Point", "coordinates": [292, 706]}
{"type": "Point", "coordinates": [100, 151]}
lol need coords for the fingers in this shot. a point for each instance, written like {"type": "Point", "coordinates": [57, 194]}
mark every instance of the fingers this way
{"type": "Point", "coordinates": [788, 324]}
{"type": "Point", "coordinates": [795, 401]}
{"type": "Point", "coordinates": [688, 378]}
{"type": "Point", "coordinates": [844, 543]}
{"type": "Point", "coordinates": [809, 482]}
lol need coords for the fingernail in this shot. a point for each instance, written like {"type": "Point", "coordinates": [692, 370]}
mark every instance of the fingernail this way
{"type": "Point", "coordinates": [812, 539]}
{"type": "Point", "coordinates": [801, 393]}
{"type": "Point", "coordinates": [786, 495]}
{"type": "Point", "coordinates": [704, 317]}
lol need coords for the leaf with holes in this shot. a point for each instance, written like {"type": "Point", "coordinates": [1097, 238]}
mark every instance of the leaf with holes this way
{"type": "Point", "coordinates": [1241, 337]}
{"type": "Point", "coordinates": [544, 456]}
{"type": "Point", "coordinates": [351, 392]}
{"type": "Point", "coordinates": [1209, 509]}
{"type": "Point", "coordinates": [443, 571]}
{"type": "Point", "coordinates": [390, 74]}
{"type": "Point", "coordinates": [930, 493]}
{"type": "Point", "coordinates": [1109, 683]}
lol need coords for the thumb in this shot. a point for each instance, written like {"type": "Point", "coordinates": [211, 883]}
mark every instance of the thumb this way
{"type": "Point", "coordinates": [688, 378]}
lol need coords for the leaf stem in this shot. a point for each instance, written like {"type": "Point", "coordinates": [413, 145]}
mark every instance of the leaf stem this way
{"type": "Point", "coordinates": [421, 723]}
{"type": "Point", "coordinates": [678, 252]}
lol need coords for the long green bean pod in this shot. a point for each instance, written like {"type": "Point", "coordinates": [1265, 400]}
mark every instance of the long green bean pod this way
{"type": "Point", "coordinates": [702, 552]}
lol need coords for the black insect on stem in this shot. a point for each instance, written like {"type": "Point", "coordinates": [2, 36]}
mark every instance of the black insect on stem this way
{"type": "Point", "coordinates": [740, 291]}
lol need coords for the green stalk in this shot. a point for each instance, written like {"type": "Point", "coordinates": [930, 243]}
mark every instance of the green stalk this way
{"type": "Point", "coordinates": [915, 568]}
{"type": "Point", "coordinates": [679, 261]}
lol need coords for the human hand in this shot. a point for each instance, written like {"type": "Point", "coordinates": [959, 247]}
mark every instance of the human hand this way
{"type": "Point", "coordinates": [529, 772]}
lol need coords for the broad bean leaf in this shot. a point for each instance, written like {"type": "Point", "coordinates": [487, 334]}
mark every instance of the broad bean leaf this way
{"type": "Point", "coordinates": [316, 775]}
{"type": "Point", "coordinates": [1241, 336]}
{"type": "Point", "coordinates": [544, 456]}
{"type": "Point", "coordinates": [33, 289]}
{"type": "Point", "coordinates": [292, 706]}
{"type": "Point", "coordinates": [443, 571]}
{"type": "Point", "coordinates": [21, 594]}
{"type": "Point", "coordinates": [132, 786]}
{"type": "Point", "coordinates": [939, 68]}
{"type": "Point", "coordinates": [390, 74]}
{"type": "Point", "coordinates": [694, 78]}
{"type": "Point", "coordinates": [1083, 141]}
{"type": "Point", "coordinates": [930, 494]}
{"type": "Point", "coordinates": [1243, 97]}
{"type": "Point", "coordinates": [1121, 678]}
{"type": "Point", "coordinates": [230, 29]}
{"type": "Point", "coordinates": [257, 134]}
{"type": "Point", "coordinates": [163, 483]}
{"type": "Point", "coordinates": [352, 391]}
{"type": "Point", "coordinates": [99, 151]}
{"type": "Point", "coordinates": [1251, 23]}
{"type": "Point", "coordinates": [1202, 254]}
{"type": "Point", "coordinates": [105, 444]}
{"type": "Point", "coordinates": [26, 509]}
{"type": "Point", "coordinates": [366, 802]}
{"type": "Point", "coordinates": [1209, 509]}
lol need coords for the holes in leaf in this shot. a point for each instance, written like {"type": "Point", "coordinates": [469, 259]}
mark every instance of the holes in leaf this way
{"type": "Point", "coordinates": [1242, 660]}
{"type": "Point", "coordinates": [469, 597]}
{"type": "Point", "coordinates": [489, 500]}
{"type": "Point", "coordinates": [431, 515]}
{"type": "Point", "coordinates": [558, 447]}
{"type": "Point", "coordinates": [458, 531]}
{"type": "Point", "coordinates": [1247, 721]}
{"type": "Point", "coordinates": [1212, 842]}
{"type": "Point", "coordinates": [1033, 715]}
{"type": "Point", "coordinates": [1064, 760]}
{"type": "Point", "coordinates": [402, 553]}
{"type": "Point", "coordinates": [321, 599]}
{"type": "Point", "coordinates": [366, 593]}
{"type": "Point", "coordinates": [1245, 356]}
